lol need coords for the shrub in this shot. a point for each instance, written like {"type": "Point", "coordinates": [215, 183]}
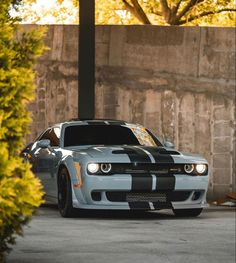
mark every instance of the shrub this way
{"type": "Point", "coordinates": [20, 191]}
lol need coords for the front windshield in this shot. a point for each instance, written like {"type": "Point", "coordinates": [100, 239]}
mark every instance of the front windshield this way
{"type": "Point", "coordinates": [77, 135]}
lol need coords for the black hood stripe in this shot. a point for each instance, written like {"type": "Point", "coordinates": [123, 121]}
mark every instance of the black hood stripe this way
{"type": "Point", "coordinates": [158, 157]}
{"type": "Point", "coordinates": [136, 155]}
{"type": "Point", "coordinates": [141, 182]}
{"type": "Point", "coordinates": [165, 183]}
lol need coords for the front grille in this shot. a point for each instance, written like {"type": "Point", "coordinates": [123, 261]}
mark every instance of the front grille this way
{"type": "Point", "coordinates": [174, 196]}
{"type": "Point", "coordinates": [146, 197]}
{"type": "Point", "coordinates": [153, 168]}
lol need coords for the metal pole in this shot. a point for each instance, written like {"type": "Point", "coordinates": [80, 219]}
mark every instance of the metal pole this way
{"type": "Point", "coordinates": [86, 83]}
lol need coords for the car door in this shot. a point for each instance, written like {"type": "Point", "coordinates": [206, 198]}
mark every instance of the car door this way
{"type": "Point", "coordinates": [44, 160]}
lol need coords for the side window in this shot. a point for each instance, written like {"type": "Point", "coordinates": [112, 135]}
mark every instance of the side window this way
{"type": "Point", "coordinates": [44, 135]}
{"type": "Point", "coordinates": [53, 135]}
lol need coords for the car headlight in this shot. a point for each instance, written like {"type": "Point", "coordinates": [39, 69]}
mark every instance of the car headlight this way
{"type": "Point", "coordinates": [105, 167]}
{"type": "Point", "coordinates": [93, 168]}
{"type": "Point", "coordinates": [201, 168]}
{"type": "Point", "coordinates": [188, 168]}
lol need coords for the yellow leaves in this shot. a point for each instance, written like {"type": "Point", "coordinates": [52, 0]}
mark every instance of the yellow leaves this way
{"type": "Point", "coordinates": [20, 191]}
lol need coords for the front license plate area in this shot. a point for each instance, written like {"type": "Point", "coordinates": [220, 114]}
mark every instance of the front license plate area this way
{"type": "Point", "coordinates": [146, 197]}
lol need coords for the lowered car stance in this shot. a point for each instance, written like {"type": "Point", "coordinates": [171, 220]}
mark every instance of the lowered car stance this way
{"type": "Point", "coordinates": [108, 164]}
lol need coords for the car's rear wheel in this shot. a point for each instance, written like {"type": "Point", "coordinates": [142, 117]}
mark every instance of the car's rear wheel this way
{"type": "Point", "coordinates": [65, 194]}
{"type": "Point", "coordinates": [187, 212]}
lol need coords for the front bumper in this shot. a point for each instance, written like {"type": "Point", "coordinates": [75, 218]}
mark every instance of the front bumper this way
{"type": "Point", "coordinates": [94, 193]}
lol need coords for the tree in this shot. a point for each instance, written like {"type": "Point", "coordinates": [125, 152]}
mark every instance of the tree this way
{"type": "Point", "coordinates": [20, 191]}
{"type": "Point", "coordinates": [158, 12]}
{"type": "Point", "coordinates": [178, 12]}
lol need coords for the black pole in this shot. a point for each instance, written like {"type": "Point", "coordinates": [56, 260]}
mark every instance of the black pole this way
{"type": "Point", "coordinates": [86, 83]}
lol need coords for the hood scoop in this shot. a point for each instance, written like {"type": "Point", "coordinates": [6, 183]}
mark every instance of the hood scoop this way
{"type": "Point", "coordinates": [169, 152]}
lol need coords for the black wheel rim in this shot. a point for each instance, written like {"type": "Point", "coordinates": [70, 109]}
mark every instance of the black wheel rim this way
{"type": "Point", "coordinates": [62, 191]}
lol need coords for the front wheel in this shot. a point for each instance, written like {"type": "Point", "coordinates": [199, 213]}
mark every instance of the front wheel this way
{"type": "Point", "coordinates": [65, 194]}
{"type": "Point", "coordinates": [187, 212]}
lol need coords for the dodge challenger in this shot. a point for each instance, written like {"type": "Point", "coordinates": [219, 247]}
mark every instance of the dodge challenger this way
{"type": "Point", "coordinates": [110, 164]}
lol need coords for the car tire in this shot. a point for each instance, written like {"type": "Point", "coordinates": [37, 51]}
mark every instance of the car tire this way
{"type": "Point", "coordinates": [187, 212]}
{"type": "Point", "coordinates": [65, 194]}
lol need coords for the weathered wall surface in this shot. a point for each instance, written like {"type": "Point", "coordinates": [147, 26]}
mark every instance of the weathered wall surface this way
{"type": "Point", "coordinates": [177, 81]}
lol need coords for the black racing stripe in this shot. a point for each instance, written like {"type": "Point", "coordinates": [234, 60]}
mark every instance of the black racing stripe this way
{"type": "Point", "coordinates": [165, 182]}
{"type": "Point", "coordinates": [158, 157]}
{"type": "Point", "coordinates": [141, 182]}
{"type": "Point", "coordinates": [137, 155]}
{"type": "Point", "coordinates": [117, 122]}
{"type": "Point", "coordinates": [139, 205]}
{"type": "Point", "coordinates": [123, 151]}
{"type": "Point", "coordinates": [96, 122]}
{"type": "Point", "coordinates": [161, 205]}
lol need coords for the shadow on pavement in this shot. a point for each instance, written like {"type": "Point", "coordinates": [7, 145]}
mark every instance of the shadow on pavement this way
{"type": "Point", "coordinates": [118, 214]}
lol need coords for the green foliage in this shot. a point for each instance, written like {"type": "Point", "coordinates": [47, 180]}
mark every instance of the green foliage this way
{"type": "Point", "coordinates": [20, 191]}
{"type": "Point", "coordinates": [161, 12]}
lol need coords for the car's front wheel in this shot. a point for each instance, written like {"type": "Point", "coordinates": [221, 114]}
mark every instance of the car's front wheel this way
{"type": "Point", "coordinates": [187, 212]}
{"type": "Point", "coordinates": [65, 194]}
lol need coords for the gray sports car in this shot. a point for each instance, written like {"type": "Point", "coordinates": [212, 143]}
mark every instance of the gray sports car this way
{"type": "Point", "coordinates": [109, 164]}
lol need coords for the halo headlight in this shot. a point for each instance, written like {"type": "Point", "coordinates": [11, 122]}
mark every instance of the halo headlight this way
{"type": "Point", "coordinates": [93, 168]}
{"type": "Point", "coordinates": [201, 168]}
{"type": "Point", "coordinates": [188, 168]}
{"type": "Point", "coordinates": [106, 167]}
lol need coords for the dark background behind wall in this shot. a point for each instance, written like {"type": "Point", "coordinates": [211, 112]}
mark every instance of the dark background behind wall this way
{"type": "Point", "coordinates": [177, 81]}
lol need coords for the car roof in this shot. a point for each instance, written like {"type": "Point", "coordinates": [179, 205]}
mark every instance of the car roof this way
{"type": "Point", "coordinates": [94, 121]}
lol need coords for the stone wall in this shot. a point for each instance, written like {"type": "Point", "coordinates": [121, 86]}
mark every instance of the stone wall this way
{"type": "Point", "coordinates": [177, 81]}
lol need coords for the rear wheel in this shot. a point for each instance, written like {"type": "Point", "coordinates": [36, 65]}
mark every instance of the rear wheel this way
{"type": "Point", "coordinates": [65, 194]}
{"type": "Point", "coordinates": [187, 212]}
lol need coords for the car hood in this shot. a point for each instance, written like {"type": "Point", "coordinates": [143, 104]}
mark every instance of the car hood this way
{"type": "Point", "coordinates": [137, 154]}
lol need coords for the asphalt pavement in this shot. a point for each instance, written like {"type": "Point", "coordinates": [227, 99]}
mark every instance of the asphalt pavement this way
{"type": "Point", "coordinates": [102, 237]}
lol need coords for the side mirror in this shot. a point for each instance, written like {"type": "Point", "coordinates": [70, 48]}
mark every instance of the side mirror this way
{"type": "Point", "coordinates": [168, 144]}
{"type": "Point", "coordinates": [43, 144]}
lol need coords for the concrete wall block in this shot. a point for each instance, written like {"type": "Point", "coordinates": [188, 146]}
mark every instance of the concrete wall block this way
{"type": "Point", "coordinates": [222, 145]}
{"type": "Point", "coordinates": [124, 104]}
{"type": "Point", "coordinates": [186, 122]}
{"type": "Point", "coordinates": [99, 101]}
{"type": "Point", "coordinates": [137, 106]}
{"type": "Point", "coordinates": [155, 35]}
{"type": "Point", "coordinates": [102, 54]}
{"type": "Point", "coordinates": [222, 176]}
{"type": "Point", "coordinates": [217, 57]}
{"type": "Point", "coordinates": [72, 98]}
{"type": "Point", "coordinates": [168, 115]}
{"type": "Point", "coordinates": [223, 113]}
{"type": "Point", "coordinates": [202, 136]}
{"type": "Point", "coordinates": [102, 34]}
{"type": "Point", "coordinates": [222, 129]}
{"type": "Point", "coordinates": [222, 160]}
{"type": "Point", "coordinates": [213, 37]}
{"type": "Point", "coordinates": [56, 53]}
{"type": "Point", "coordinates": [139, 56]}
{"type": "Point", "coordinates": [183, 59]}
{"type": "Point", "coordinates": [203, 105]}
{"type": "Point", "coordinates": [220, 191]}
{"type": "Point", "coordinates": [117, 39]}
{"type": "Point", "coordinates": [70, 43]}
{"type": "Point", "coordinates": [153, 110]}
